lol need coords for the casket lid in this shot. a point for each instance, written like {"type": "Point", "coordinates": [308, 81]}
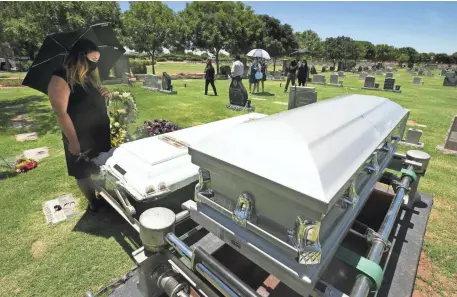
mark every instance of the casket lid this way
{"type": "Point", "coordinates": [312, 150]}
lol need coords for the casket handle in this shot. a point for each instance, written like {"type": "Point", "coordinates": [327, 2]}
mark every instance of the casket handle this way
{"type": "Point", "coordinates": [305, 238]}
{"type": "Point", "coordinates": [243, 209]}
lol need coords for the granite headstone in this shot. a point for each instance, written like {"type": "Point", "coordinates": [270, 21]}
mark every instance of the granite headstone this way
{"type": "Point", "coordinates": [417, 81]}
{"type": "Point", "coordinates": [369, 82]}
{"type": "Point", "coordinates": [389, 84]}
{"type": "Point", "coordinates": [301, 96]}
{"type": "Point", "coordinates": [450, 142]}
{"type": "Point", "coordinates": [319, 79]}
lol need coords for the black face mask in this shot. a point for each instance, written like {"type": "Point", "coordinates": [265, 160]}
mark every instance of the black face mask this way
{"type": "Point", "coordinates": [92, 65]}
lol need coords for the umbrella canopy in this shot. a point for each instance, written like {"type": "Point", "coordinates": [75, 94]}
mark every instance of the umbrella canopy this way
{"type": "Point", "coordinates": [259, 53]}
{"type": "Point", "coordinates": [55, 48]}
{"type": "Point", "coordinates": [302, 51]}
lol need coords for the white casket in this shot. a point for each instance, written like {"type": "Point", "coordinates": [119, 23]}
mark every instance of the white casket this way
{"type": "Point", "coordinates": [284, 189]}
{"type": "Point", "coordinates": [153, 167]}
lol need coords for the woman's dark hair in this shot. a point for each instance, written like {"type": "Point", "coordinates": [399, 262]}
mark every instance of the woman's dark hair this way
{"type": "Point", "coordinates": [77, 66]}
{"type": "Point", "coordinates": [237, 58]}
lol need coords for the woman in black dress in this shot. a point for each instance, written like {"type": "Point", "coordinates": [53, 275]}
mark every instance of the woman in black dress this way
{"type": "Point", "coordinates": [81, 107]}
{"type": "Point", "coordinates": [209, 77]}
{"type": "Point", "coordinates": [302, 74]}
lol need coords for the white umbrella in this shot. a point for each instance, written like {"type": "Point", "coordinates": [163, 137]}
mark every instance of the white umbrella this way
{"type": "Point", "coordinates": [259, 53]}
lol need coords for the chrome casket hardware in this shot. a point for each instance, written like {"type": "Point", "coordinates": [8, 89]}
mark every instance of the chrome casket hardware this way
{"type": "Point", "coordinates": [305, 238]}
{"type": "Point", "coordinates": [204, 185]}
{"type": "Point", "coordinates": [243, 209]}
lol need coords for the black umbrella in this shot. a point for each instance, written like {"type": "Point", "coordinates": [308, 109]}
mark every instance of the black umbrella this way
{"type": "Point", "coordinates": [56, 47]}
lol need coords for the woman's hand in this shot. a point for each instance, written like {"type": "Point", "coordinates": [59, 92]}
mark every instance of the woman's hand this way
{"type": "Point", "coordinates": [105, 93]}
{"type": "Point", "coordinates": [74, 148]}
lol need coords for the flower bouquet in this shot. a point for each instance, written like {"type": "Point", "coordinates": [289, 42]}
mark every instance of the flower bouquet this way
{"type": "Point", "coordinates": [123, 113]}
{"type": "Point", "coordinates": [24, 165]}
{"type": "Point", "coordinates": [156, 127]}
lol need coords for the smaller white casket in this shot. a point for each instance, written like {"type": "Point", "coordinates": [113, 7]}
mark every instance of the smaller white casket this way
{"type": "Point", "coordinates": [283, 189]}
{"type": "Point", "coordinates": [153, 167]}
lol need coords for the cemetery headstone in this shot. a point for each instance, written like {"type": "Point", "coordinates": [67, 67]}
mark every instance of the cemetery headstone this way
{"type": "Point", "coordinates": [389, 75]}
{"type": "Point", "coordinates": [389, 84]}
{"type": "Point", "coordinates": [376, 85]}
{"type": "Point", "coordinates": [238, 97]}
{"type": "Point", "coordinates": [22, 121]}
{"type": "Point", "coordinates": [60, 209]}
{"type": "Point", "coordinates": [369, 82]}
{"type": "Point", "coordinates": [341, 74]}
{"type": "Point", "coordinates": [417, 81]}
{"type": "Point", "coordinates": [151, 82]}
{"type": "Point", "coordinates": [318, 79]}
{"type": "Point", "coordinates": [379, 72]}
{"type": "Point", "coordinates": [121, 67]}
{"type": "Point", "coordinates": [334, 80]}
{"type": "Point", "coordinates": [413, 139]}
{"type": "Point", "coordinates": [443, 72]}
{"type": "Point", "coordinates": [301, 96]}
{"type": "Point", "coordinates": [450, 80]}
{"type": "Point", "coordinates": [36, 154]}
{"type": "Point", "coordinates": [363, 75]}
{"type": "Point", "coordinates": [313, 70]}
{"type": "Point", "coordinates": [429, 73]}
{"type": "Point", "coordinates": [26, 137]}
{"type": "Point", "coordinates": [167, 87]}
{"type": "Point", "coordinates": [421, 72]}
{"type": "Point", "coordinates": [450, 141]}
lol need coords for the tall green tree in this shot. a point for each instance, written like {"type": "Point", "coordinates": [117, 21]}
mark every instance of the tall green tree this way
{"type": "Point", "coordinates": [412, 55]}
{"type": "Point", "coordinates": [367, 50]}
{"type": "Point", "coordinates": [341, 49]}
{"type": "Point", "coordinates": [26, 24]}
{"type": "Point", "coordinates": [276, 38]}
{"type": "Point", "coordinates": [385, 53]}
{"type": "Point", "coordinates": [312, 42]}
{"type": "Point", "coordinates": [424, 58]}
{"type": "Point", "coordinates": [454, 58]}
{"type": "Point", "coordinates": [149, 26]}
{"type": "Point", "coordinates": [442, 58]}
{"type": "Point", "coordinates": [216, 26]}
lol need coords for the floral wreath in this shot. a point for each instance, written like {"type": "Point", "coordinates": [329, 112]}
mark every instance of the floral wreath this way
{"type": "Point", "coordinates": [123, 113]}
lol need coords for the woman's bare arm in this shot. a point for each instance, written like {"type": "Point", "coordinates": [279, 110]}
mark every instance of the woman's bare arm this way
{"type": "Point", "coordinates": [59, 92]}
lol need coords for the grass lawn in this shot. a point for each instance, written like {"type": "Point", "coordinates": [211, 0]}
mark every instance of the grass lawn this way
{"type": "Point", "coordinates": [88, 251]}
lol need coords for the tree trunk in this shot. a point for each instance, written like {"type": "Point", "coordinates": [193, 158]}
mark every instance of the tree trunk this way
{"type": "Point", "coordinates": [217, 60]}
{"type": "Point", "coordinates": [153, 63]}
{"type": "Point", "coordinates": [7, 62]}
{"type": "Point", "coordinates": [274, 64]}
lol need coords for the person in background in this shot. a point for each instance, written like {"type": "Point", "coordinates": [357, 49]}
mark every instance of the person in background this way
{"type": "Point", "coordinates": [237, 69]}
{"type": "Point", "coordinates": [291, 74]}
{"type": "Point", "coordinates": [209, 77]}
{"type": "Point", "coordinates": [80, 105]}
{"type": "Point", "coordinates": [252, 79]}
{"type": "Point", "coordinates": [263, 69]}
{"type": "Point", "coordinates": [303, 73]}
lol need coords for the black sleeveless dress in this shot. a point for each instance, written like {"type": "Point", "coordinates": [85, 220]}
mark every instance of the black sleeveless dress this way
{"type": "Point", "coordinates": [87, 109]}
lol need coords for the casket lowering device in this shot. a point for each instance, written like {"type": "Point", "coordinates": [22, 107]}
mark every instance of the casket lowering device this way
{"type": "Point", "coordinates": [285, 192]}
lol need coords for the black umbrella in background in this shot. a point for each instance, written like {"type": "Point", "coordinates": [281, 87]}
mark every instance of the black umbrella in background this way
{"type": "Point", "coordinates": [56, 47]}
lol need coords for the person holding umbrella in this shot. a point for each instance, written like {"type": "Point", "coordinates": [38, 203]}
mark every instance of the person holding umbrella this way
{"type": "Point", "coordinates": [69, 68]}
{"type": "Point", "coordinates": [252, 76]}
{"type": "Point", "coordinates": [209, 77]}
{"type": "Point", "coordinates": [263, 68]}
{"type": "Point", "coordinates": [80, 105]}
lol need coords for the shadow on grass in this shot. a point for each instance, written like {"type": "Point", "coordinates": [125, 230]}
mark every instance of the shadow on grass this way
{"type": "Point", "coordinates": [43, 118]}
{"type": "Point", "coordinates": [108, 223]}
{"type": "Point", "coordinates": [7, 174]}
{"type": "Point", "coordinates": [267, 94]}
